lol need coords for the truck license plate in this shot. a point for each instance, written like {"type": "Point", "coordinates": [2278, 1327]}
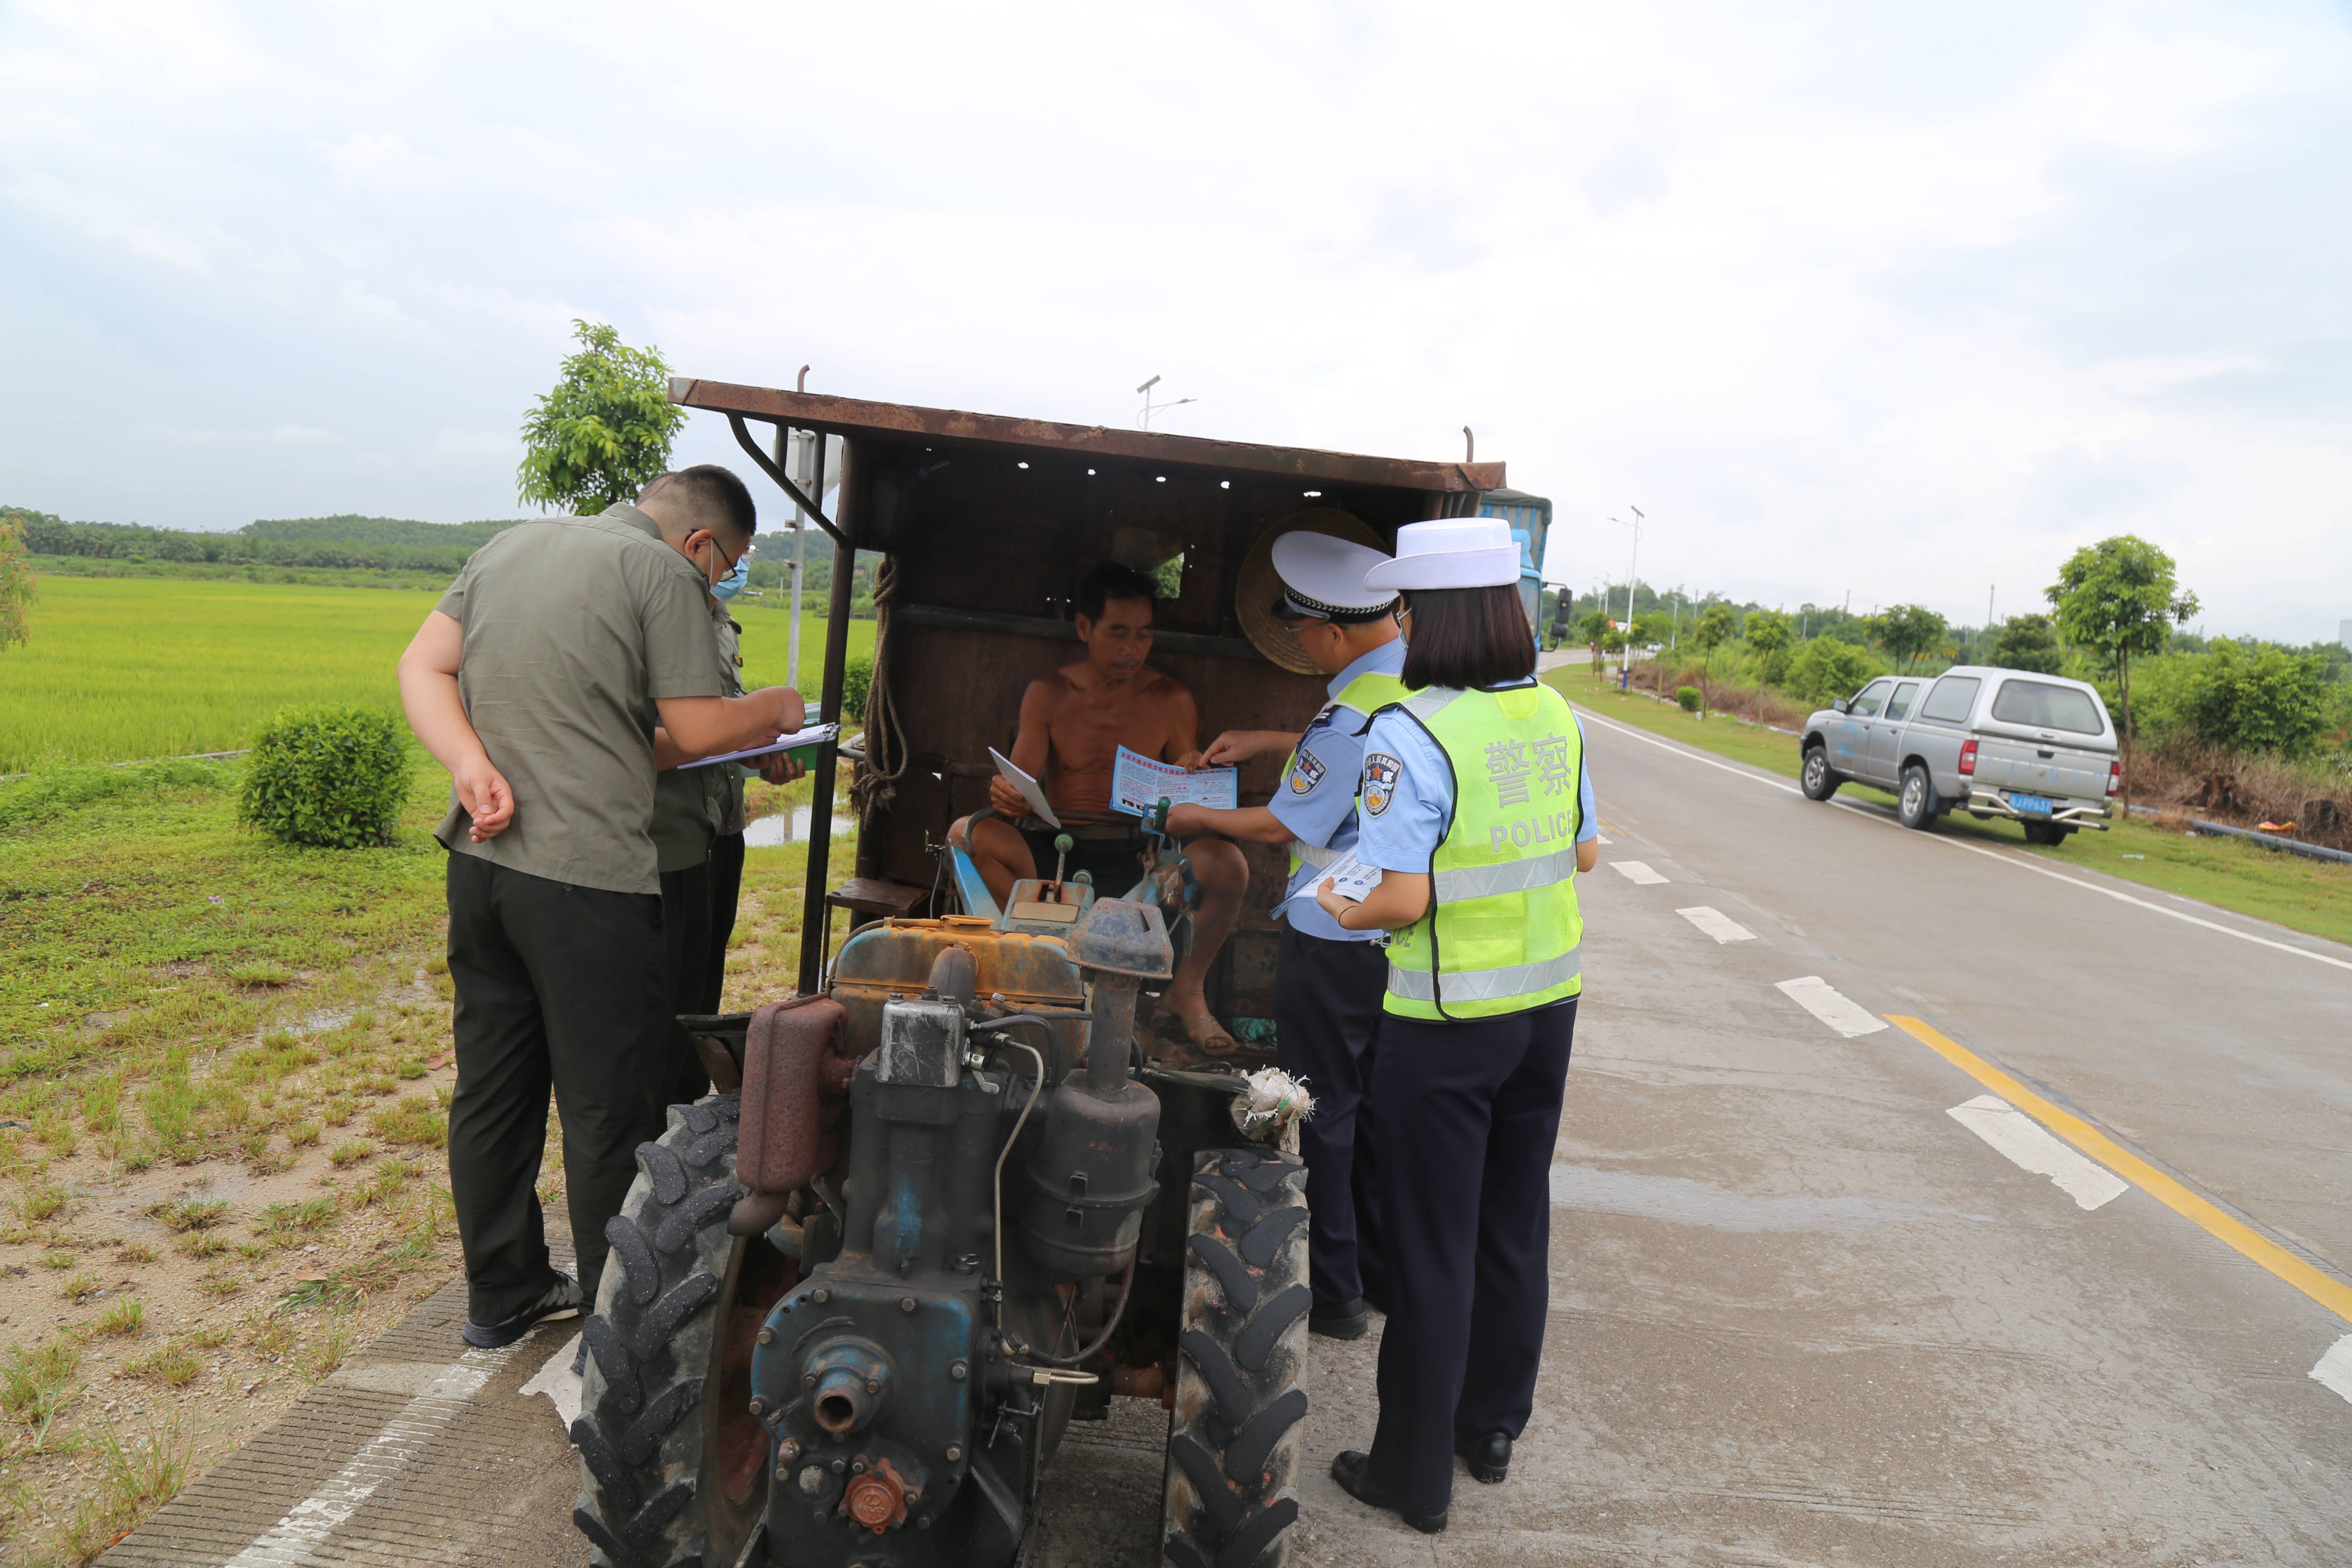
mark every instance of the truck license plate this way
{"type": "Point", "coordinates": [2033, 803]}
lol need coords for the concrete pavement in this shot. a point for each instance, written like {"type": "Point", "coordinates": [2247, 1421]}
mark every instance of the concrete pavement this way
{"type": "Point", "coordinates": [1802, 1313]}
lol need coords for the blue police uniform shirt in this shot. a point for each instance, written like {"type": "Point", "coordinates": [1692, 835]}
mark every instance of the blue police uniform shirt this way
{"type": "Point", "coordinates": [1317, 798]}
{"type": "Point", "coordinates": [1408, 791]}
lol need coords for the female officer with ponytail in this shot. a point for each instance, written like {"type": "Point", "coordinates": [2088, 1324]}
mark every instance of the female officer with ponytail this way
{"type": "Point", "coordinates": [1476, 809]}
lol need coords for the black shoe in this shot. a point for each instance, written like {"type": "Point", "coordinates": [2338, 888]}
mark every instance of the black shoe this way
{"type": "Point", "coordinates": [1489, 1457]}
{"type": "Point", "coordinates": [1350, 1470]}
{"type": "Point", "coordinates": [562, 1301]}
{"type": "Point", "coordinates": [1339, 1320]}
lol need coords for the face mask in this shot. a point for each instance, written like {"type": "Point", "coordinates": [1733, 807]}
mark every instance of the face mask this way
{"type": "Point", "coordinates": [726, 587]}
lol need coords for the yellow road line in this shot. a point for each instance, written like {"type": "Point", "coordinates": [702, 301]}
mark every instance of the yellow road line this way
{"type": "Point", "coordinates": [2328, 1291]}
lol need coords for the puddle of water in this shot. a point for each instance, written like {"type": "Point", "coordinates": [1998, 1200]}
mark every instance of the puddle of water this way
{"type": "Point", "coordinates": [771, 831]}
{"type": "Point", "coordinates": [1680, 1201]}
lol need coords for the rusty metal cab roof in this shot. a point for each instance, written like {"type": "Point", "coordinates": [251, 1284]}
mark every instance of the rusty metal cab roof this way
{"type": "Point", "coordinates": [987, 524]}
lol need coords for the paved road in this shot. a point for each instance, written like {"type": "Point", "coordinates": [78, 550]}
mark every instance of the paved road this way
{"type": "Point", "coordinates": [1801, 1313]}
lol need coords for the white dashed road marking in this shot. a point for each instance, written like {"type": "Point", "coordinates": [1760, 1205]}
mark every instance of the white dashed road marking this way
{"type": "Point", "coordinates": [1636, 872]}
{"type": "Point", "coordinates": [2335, 1368]}
{"type": "Point", "coordinates": [292, 1539]}
{"type": "Point", "coordinates": [2030, 1147]}
{"type": "Point", "coordinates": [1823, 1001]}
{"type": "Point", "coordinates": [1716, 925]}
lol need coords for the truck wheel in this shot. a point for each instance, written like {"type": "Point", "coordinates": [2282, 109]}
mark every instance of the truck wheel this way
{"type": "Point", "coordinates": [1917, 806]}
{"type": "Point", "coordinates": [1817, 779]}
{"type": "Point", "coordinates": [2047, 834]}
{"type": "Point", "coordinates": [675, 1465]}
{"type": "Point", "coordinates": [1233, 1439]}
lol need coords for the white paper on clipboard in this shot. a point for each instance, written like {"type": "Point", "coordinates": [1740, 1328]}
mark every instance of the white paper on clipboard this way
{"type": "Point", "coordinates": [1027, 786]}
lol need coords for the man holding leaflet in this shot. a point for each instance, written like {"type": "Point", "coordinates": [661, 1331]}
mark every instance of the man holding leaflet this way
{"type": "Point", "coordinates": [1074, 719]}
{"type": "Point", "coordinates": [569, 655]}
{"type": "Point", "coordinates": [1327, 981]}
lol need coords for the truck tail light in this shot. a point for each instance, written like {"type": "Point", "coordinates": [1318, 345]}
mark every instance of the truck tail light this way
{"type": "Point", "coordinates": [1969, 759]}
{"type": "Point", "coordinates": [2115, 776]}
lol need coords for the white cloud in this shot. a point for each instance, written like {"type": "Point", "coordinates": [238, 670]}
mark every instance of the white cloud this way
{"type": "Point", "coordinates": [1843, 296]}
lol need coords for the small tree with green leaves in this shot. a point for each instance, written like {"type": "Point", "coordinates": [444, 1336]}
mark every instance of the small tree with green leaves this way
{"type": "Point", "coordinates": [1592, 628]}
{"type": "Point", "coordinates": [15, 582]}
{"type": "Point", "coordinates": [604, 432]}
{"type": "Point", "coordinates": [1908, 633]}
{"type": "Point", "coordinates": [2026, 642]}
{"type": "Point", "coordinates": [2118, 599]}
{"type": "Point", "coordinates": [1716, 625]}
{"type": "Point", "coordinates": [1769, 633]}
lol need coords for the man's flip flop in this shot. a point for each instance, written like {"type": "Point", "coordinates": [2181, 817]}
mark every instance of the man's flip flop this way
{"type": "Point", "coordinates": [1204, 1034]}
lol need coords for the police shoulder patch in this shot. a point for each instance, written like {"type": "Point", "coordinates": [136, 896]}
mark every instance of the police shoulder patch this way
{"type": "Point", "coordinates": [1305, 772]}
{"type": "Point", "coordinates": [1381, 771]}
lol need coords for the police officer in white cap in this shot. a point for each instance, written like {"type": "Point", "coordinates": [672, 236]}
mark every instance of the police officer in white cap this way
{"type": "Point", "coordinates": [1475, 807]}
{"type": "Point", "coordinates": [1328, 981]}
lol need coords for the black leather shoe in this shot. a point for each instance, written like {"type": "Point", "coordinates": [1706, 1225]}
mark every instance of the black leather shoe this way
{"type": "Point", "coordinates": [563, 1300]}
{"type": "Point", "coordinates": [1339, 1320]}
{"type": "Point", "coordinates": [1351, 1470]}
{"type": "Point", "coordinates": [1489, 1457]}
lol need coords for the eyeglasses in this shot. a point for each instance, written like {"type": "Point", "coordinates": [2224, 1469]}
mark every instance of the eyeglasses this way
{"type": "Point", "coordinates": [730, 560]}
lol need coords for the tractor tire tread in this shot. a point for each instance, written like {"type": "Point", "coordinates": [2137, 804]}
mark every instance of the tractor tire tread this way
{"type": "Point", "coordinates": [1239, 1422]}
{"type": "Point", "coordinates": [648, 1342]}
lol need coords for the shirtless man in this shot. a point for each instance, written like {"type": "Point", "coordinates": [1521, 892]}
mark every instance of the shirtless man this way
{"type": "Point", "coordinates": [1073, 721]}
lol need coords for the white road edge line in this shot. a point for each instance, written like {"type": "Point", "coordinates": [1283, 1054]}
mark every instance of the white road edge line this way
{"type": "Point", "coordinates": [2335, 1368]}
{"type": "Point", "coordinates": [1832, 1006]}
{"type": "Point", "coordinates": [1636, 872]}
{"type": "Point", "coordinates": [2030, 1147]}
{"type": "Point", "coordinates": [292, 1539]}
{"type": "Point", "coordinates": [1716, 925]}
{"type": "Point", "coordinates": [556, 1380]}
{"type": "Point", "coordinates": [2022, 865]}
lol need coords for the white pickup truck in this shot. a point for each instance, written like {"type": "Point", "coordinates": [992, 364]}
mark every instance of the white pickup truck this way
{"type": "Point", "coordinates": [2037, 749]}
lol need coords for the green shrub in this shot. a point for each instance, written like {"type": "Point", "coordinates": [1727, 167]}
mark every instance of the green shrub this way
{"type": "Point", "coordinates": [334, 778]}
{"type": "Point", "coordinates": [2254, 697]}
{"type": "Point", "coordinates": [856, 681]}
{"type": "Point", "coordinates": [1824, 668]}
{"type": "Point", "coordinates": [1688, 695]}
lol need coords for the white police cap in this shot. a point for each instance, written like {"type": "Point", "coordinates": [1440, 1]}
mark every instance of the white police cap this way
{"type": "Point", "coordinates": [1323, 579]}
{"type": "Point", "coordinates": [1449, 553]}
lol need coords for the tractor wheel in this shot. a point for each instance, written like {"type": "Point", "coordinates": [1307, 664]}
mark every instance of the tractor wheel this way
{"type": "Point", "coordinates": [676, 1472]}
{"type": "Point", "coordinates": [1233, 1439]}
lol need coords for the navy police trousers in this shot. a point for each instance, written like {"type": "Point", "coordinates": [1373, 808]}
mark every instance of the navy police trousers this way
{"type": "Point", "coordinates": [1327, 1019]}
{"type": "Point", "coordinates": [1464, 1117]}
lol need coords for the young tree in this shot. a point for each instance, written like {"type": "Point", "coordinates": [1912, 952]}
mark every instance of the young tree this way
{"type": "Point", "coordinates": [2118, 599]}
{"type": "Point", "coordinates": [2026, 642]}
{"type": "Point", "coordinates": [604, 432]}
{"type": "Point", "coordinates": [1717, 624]}
{"type": "Point", "coordinates": [1908, 632]}
{"type": "Point", "coordinates": [15, 582]}
{"type": "Point", "coordinates": [1592, 629]}
{"type": "Point", "coordinates": [1769, 633]}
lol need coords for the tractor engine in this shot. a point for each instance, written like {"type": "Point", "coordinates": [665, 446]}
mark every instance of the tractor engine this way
{"type": "Point", "coordinates": [917, 1375]}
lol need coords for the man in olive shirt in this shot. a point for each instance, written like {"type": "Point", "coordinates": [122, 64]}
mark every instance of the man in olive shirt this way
{"type": "Point", "coordinates": [571, 658]}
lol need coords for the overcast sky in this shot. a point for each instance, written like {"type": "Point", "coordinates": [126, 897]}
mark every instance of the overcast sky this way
{"type": "Point", "coordinates": [1897, 301]}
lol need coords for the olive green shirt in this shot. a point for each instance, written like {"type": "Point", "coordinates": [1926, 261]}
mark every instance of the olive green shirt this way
{"type": "Point", "coordinates": [573, 628]}
{"type": "Point", "coordinates": [691, 804]}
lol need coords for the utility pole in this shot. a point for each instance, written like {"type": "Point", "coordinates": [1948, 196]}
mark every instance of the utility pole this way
{"type": "Point", "coordinates": [1634, 571]}
{"type": "Point", "coordinates": [1146, 390]}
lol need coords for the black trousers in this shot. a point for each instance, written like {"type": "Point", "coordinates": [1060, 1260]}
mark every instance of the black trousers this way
{"type": "Point", "coordinates": [1465, 1117]}
{"type": "Point", "coordinates": [686, 932]}
{"type": "Point", "coordinates": [561, 987]}
{"type": "Point", "coordinates": [726, 891]}
{"type": "Point", "coordinates": [1327, 1020]}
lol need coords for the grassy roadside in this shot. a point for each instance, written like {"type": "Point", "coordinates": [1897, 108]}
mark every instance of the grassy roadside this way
{"type": "Point", "coordinates": [224, 1076]}
{"type": "Point", "coordinates": [2309, 896]}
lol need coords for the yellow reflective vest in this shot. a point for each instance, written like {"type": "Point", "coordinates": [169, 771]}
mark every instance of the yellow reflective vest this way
{"type": "Point", "coordinates": [1502, 929]}
{"type": "Point", "coordinates": [1361, 698]}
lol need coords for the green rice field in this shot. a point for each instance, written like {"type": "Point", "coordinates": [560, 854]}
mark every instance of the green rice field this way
{"type": "Point", "coordinates": [119, 669]}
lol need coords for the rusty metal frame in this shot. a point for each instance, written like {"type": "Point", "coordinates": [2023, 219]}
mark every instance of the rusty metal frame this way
{"type": "Point", "coordinates": [853, 415]}
{"type": "Point", "coordinates": [1454, 487]}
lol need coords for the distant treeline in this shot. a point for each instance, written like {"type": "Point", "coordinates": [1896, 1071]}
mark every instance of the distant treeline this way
{"type": "Point", "coordinates": [343, 543]}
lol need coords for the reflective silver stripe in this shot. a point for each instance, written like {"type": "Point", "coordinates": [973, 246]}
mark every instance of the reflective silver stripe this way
{"type": "Point", "coordinates": [1315, 855]}
{"type": "Point", "coordinates": [1514, 876]}
{"type": "Point", "coordinates": [1484, 985]}
{"type": "Point", "coordinates": [1427, 705]}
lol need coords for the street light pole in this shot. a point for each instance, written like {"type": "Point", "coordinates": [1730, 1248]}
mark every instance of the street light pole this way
{"type": "Point", "coordinates": [1146, 390]}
